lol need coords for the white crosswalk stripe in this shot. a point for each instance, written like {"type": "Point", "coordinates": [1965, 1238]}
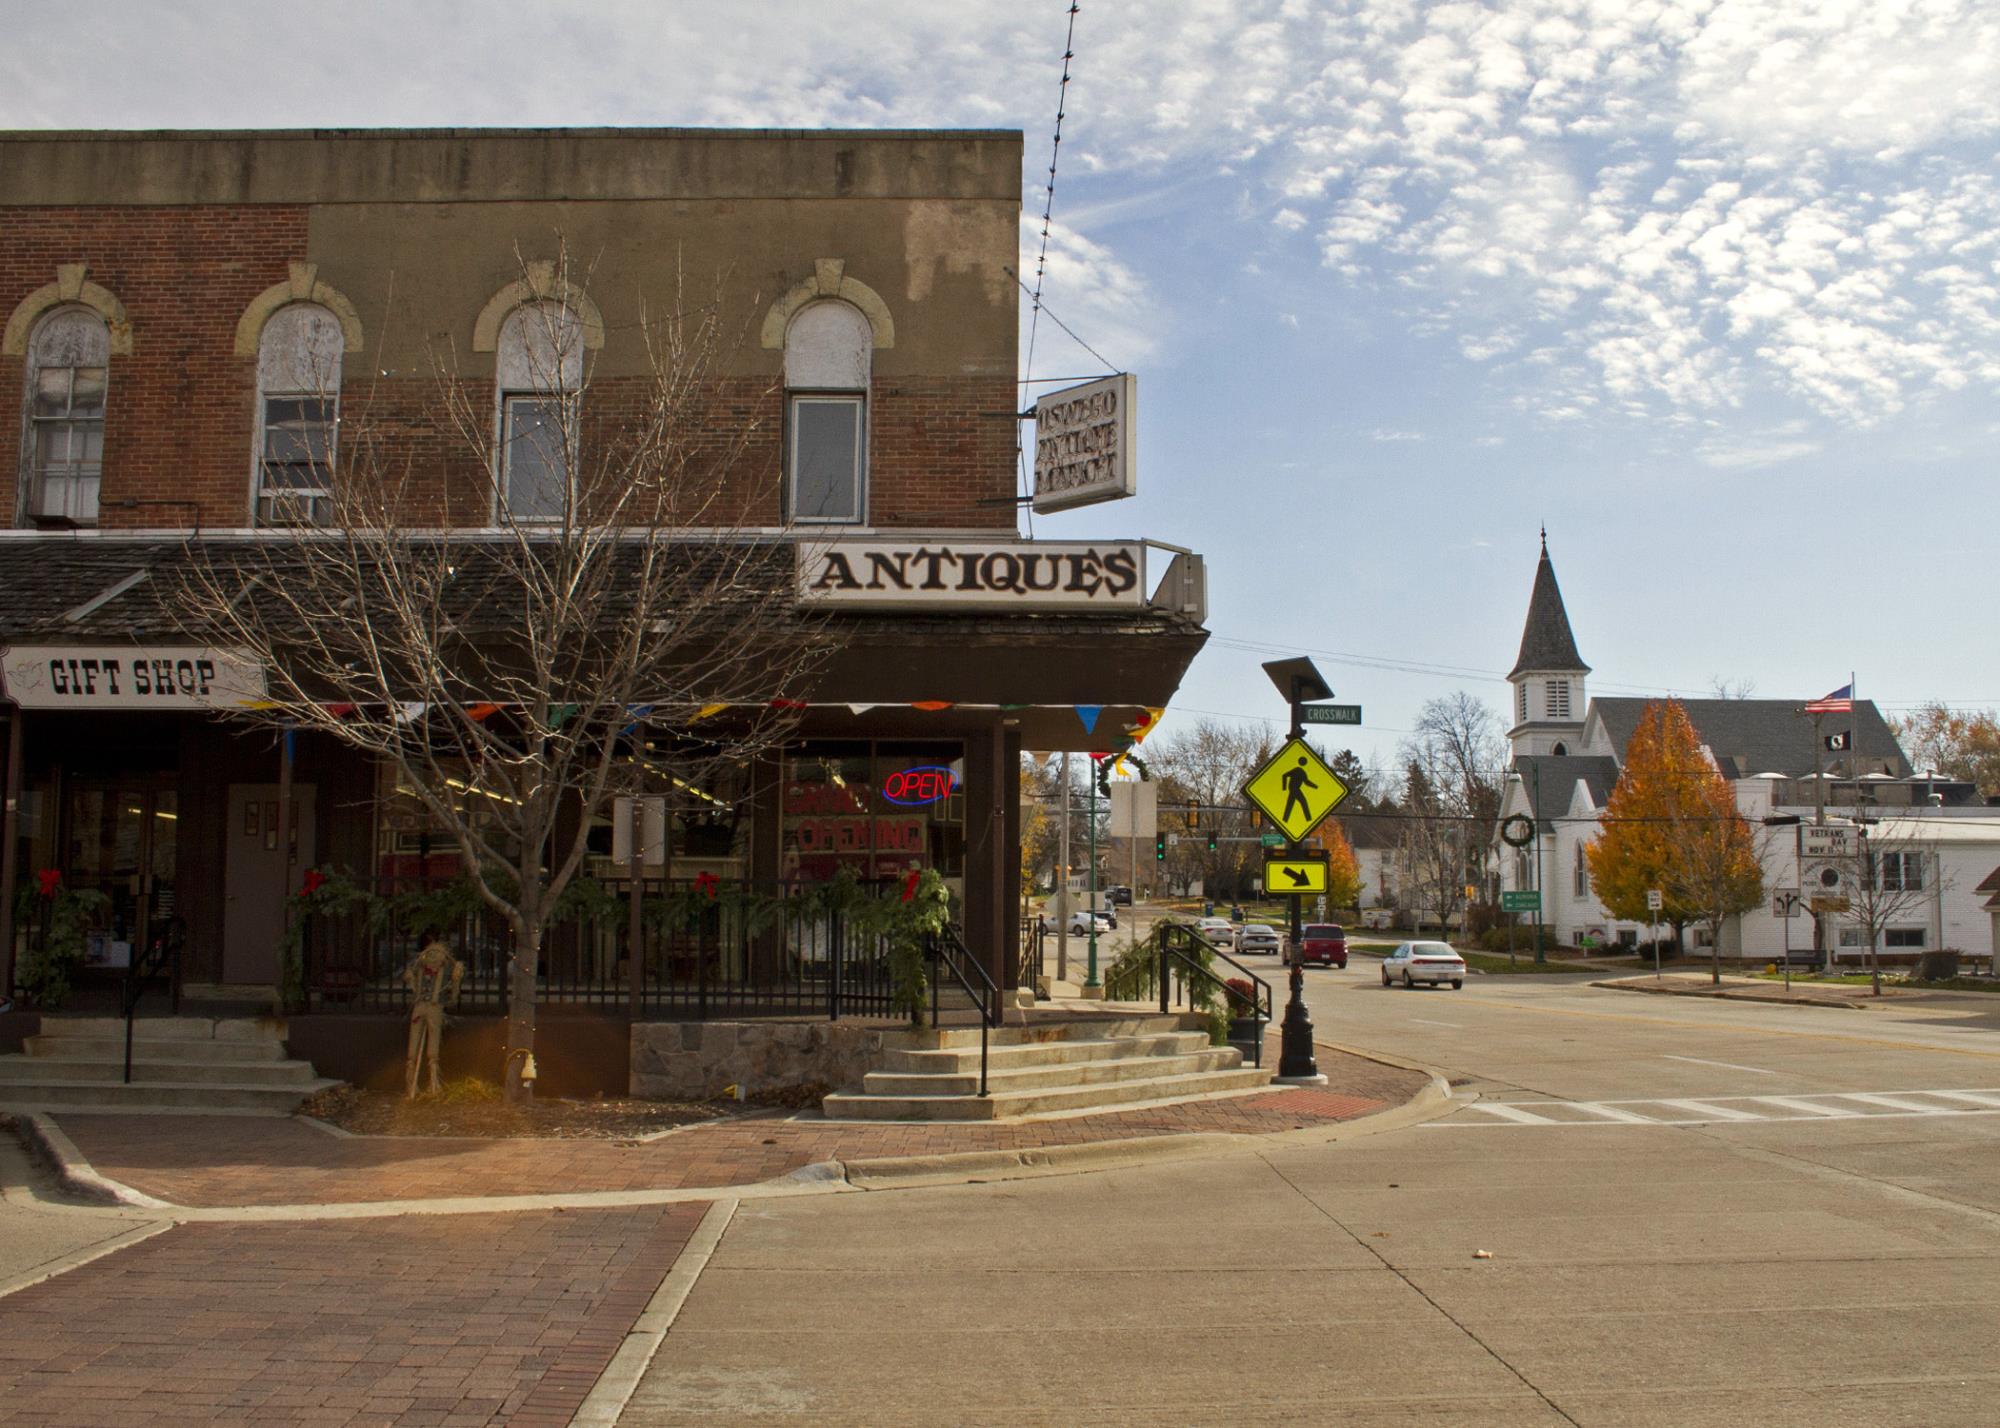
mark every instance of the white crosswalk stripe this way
{"type": "Point", "coordinates": [1724, 1110]}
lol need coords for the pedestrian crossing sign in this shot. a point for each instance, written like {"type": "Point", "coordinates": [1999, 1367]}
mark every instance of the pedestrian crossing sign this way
{"type": "Point", "coordinates": [1295, 789]}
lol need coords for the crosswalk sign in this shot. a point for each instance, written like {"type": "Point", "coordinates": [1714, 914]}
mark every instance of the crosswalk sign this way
{"type": "Point", "coordinates": [1295, 789]}
{"type": "Point", "coordinates": [1303, 876]}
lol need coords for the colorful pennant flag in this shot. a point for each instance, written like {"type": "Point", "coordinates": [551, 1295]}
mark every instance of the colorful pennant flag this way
{"type": "Point", "coordinates": [561, 714]}
{"type": "Point", "coordinates": [708, 711]}
{"type": "Point", "coordinates": [930, 706]}
{"type": "Point", "coordinates": [480, 713]}
{"type": "Point", "coordinates": [1089, 714]}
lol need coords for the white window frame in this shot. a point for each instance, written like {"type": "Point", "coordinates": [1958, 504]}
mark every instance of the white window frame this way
{"type": "Point", "coordinates": [858, 491]}
{"type": "Point", "coordinates": [304, 373]}
{"type": "Point", "coordinates": [529, 382]}
{"type": "Point", "coordinates": [1908, 875]}
{"type": "Point", "coordinates": [81, 483]}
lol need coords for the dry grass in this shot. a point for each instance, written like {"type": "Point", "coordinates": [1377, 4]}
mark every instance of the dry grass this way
{"type": "Point", "coordinates": [476, 1108]}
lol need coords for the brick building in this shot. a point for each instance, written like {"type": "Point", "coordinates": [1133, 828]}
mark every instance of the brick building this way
{"type": "Point", "coordinates": [197, 323]}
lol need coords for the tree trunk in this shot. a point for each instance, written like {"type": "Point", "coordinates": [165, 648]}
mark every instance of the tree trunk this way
{"type": "Point", "coordinates": [519, 1076]}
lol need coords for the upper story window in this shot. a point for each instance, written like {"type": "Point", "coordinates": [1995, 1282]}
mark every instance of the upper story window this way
{"type": "Point", "coordinates": [1582, 874]}
{"type": "Point", "coordinates": [69, 369]}
{"type": "Point", "coordinates": [828, 349]}
{"type": "Point", "coordinates": [1521, 703]}
{"type": "Point", "coordinates": [299, 354]}
{"type": "Point", "coordinates": [1557, 699]}
{"type": "Point", "coordinates": [538, 369]}
{"type": "Point", "coordinates": [1900, 872]}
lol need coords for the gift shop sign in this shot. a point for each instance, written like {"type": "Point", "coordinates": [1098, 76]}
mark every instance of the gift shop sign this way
{"type": "Point", "coordinates": [1083, 444]}
{"type": "Point", "coordinates": [960, 575]}
{"type": "Point", "coordinates": [129, 677]}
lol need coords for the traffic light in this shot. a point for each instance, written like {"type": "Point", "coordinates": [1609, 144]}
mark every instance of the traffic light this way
{"type": "Point", "coordinates": [1211, 842]}
{"type": "Point", "coordinates": [1160, 847]}
{"type": "Point", "coordinates": [1194, 814]}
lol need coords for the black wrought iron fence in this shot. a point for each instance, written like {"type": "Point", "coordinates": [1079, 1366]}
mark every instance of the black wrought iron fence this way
{"type": "Point", "coordinates": [707, 947]}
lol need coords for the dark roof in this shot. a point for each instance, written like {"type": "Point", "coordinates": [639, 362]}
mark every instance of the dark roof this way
{"type": "Point", "coordinates": [1546, 641]}
{"type": "Point", "coordinates": [1556, 775]}
{"type": "Point", "coordinates": [1758, 736]}
{"type": "Point", "coordinates": [1366, 830]}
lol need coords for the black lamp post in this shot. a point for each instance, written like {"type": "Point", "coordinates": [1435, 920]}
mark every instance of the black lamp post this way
{"type": "Point", "coordinates": [1300, 683]}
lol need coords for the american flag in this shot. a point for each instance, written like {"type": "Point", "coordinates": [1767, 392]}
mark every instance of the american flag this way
{"type": "Point", "coordinates": [1841, 701]}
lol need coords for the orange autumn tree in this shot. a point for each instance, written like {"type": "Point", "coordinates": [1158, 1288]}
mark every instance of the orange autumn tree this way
{"type": "Point", "coordinates": [1343, 871]}
{"type": "Point", "coordinates": [1672, 824]}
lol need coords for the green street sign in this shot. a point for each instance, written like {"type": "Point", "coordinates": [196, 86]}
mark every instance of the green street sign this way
{"type": "Point", "coordinates": [1527, 901]}
{"type": "Point", "coordinates": [1273, 840]}
{"type": "Point", "coordinates": [1330, 713]}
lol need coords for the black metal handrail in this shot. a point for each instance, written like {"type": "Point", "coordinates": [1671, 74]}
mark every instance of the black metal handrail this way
{"type": "Point", "coordinates": [1033, 945]}
{"type": "Point", "coordinates": [948, 953]}
{"type": "Point", "coordinates": [163, 955]}
{"type": "Point", "coordinates": [1175, 954]}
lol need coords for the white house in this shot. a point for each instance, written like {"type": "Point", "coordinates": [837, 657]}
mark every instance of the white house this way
{"type": "Point", "coordinates": [1785, 768]}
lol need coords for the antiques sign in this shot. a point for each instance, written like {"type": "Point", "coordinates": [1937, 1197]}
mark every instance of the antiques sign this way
{"type": "Point", "coordinates": [1083, 444]}
{"type": "Point", "coordinates": [957, 575]}
{"type": "Point", "coordinates": [129, 677]}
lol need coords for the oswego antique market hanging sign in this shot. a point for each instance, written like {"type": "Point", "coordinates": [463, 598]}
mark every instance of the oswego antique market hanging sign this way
{"type": "Point", "coordinates": [957, 575]}
{"type": "Point", "coordinates": [129, 677]}
{"type": "Point", "coordinates": [1083, 444]}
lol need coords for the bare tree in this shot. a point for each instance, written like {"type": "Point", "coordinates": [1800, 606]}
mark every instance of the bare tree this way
{"type": "Point", "coordinates": [1889, 875]}
{"type": "Point", "coordinates": [1722, 687]}
{"type": "Point", "coordinates": [1454, 764]}
{"type": "Point", "coordinates": [1207, 763]}
{"type": "Point", "coordinates": [621, 625]}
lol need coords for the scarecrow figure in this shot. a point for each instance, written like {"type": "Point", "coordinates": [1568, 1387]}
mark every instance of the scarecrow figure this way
{"type": "Point", "coordinates": [433, 978]}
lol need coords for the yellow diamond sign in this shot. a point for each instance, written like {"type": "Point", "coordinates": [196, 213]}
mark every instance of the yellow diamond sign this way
{"type": "Point", "coordinates": [1295, 789]}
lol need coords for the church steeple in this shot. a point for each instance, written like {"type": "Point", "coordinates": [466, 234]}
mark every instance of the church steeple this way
{"type": "Point", "coordinates": [1548, 674]}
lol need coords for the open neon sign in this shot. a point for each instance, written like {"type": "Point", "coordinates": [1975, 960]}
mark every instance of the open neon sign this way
{"type": "Point", "coordinates": [928, 784]}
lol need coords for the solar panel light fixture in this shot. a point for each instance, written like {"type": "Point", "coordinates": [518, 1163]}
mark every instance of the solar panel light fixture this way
{"type": "Point", "coordinates": [1297, 680]}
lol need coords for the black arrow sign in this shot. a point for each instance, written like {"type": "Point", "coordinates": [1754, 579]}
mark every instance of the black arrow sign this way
{"type": "Point", "coordinates": [1298, 878]}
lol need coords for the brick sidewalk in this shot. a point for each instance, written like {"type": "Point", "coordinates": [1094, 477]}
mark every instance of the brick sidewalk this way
{"type": "Point", "coordinates": [420, 1320]}
{"type": "Point", "coordinates": [235, 1161]}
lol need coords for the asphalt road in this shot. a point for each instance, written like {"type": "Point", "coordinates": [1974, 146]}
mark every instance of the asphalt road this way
{"type": "Point", "coordinates": [1697, 1212]}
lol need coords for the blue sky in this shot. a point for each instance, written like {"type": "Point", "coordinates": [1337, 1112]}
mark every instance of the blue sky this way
{"type": "Point", "coordinates": [1711, 287]}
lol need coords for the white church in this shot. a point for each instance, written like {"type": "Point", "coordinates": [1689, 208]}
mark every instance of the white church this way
{"type": "Point", "coordinates": [1567, 749]}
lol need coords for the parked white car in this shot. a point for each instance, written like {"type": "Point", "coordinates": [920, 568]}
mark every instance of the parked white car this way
{"type": "Point", "coordinates": [1258, 937]}
{"type": "Point", "coordinates": [1080, 920]}
{"type": "Point", "coordinates": [1433, 962]}
{"type": "Point", "coordinates": [1217, 930]}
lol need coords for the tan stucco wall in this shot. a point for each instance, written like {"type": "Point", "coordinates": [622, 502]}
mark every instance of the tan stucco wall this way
{"type": "Point", "coordinates": [497, 165]}
{"type": "Point", "coordinates": [939, 265]}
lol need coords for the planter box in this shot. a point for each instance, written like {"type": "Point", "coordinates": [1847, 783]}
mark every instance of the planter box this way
{"type": "Point", "coordinates": [1246, 1034]}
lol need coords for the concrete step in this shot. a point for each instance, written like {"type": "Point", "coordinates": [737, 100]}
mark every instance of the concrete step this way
{"type": "Point", "coordinates": [168, 1028]}
{"type": "Point", "coordinates": [1056, 1077]}
{"type": "Point", "coordinates": [1108, 1096]}
{"type": "Point", "coordinates": [19, 1070]}
{"type": "Point", "coordinates": [1014, 1055]}
{"type": "Point", "coordinates": [1040, 1031]}
{"type": "Point", "coordinates": [152, 1048]}
{"type": "Point", "coordinates": [180, 1096]}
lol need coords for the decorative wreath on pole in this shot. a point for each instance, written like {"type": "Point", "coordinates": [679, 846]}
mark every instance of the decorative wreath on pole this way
{"type": "Point", "coordinates": [1104, 771]}
{"type": "Point", "coordinates": [1517, 830]}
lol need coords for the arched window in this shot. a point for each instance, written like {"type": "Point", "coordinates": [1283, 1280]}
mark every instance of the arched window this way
{"type": "Point", "coordinates": [1582, 873]}
{"type": "Point", "coordinates": [828, 348]}
{"type": "Point", "coordinates": [69, 367]}
{"type": "Point", "coordinates": [1560, 749]}
{"type": "Point", "coordinates": [299, 353]}
{"type": "Point", "coordinates": [538, 371]}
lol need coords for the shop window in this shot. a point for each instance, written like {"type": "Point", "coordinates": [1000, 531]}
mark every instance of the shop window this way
{"type": "Point", "coordinates": [69, 368]}
{"type": "Point", "coordinates": [298, 414]}
{"type": "Point", "coordinates": [538, 369]}
{"type": "Point", "coordinates": [828, 350]}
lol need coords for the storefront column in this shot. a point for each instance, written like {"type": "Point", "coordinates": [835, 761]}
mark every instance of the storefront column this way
{"type": "Point", "coordinates": [986, 881]}
{"type": "Point", "coordinates": [10, 835]}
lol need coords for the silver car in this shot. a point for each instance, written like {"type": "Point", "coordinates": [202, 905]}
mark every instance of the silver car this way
{"type": "Point", "coordinates": [1258, 937]}
{"type": "Point", "coordinates": [1433, 962]}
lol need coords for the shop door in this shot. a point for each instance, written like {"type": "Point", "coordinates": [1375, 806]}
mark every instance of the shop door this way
{"type": "Point", "coordinates": [257, 880]}
{"type": "Point", "coordinates": [120, 841]}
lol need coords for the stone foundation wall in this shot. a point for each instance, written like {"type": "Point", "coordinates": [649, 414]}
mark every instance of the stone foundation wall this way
{"type": "Point", "coordinates": [691, 1060]}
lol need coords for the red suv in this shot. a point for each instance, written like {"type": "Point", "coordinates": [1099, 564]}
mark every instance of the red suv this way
{"type": "Point", "coordinates": [1324, 942]}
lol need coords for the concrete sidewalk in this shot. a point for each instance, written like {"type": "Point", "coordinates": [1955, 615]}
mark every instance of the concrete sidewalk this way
{"type": "Point", "coordinates": [230, 1161]}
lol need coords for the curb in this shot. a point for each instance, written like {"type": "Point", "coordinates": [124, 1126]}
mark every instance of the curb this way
{"type": "Point", "coordinates": [965, 1167]}
{"type": "Point", "coordinates": [1732, 995]}
{"type": "Point", "coordinates": [74, 1174]}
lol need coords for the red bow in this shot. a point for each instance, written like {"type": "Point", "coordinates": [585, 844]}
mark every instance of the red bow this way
{"type": "Point", "coordinates": [51, 880]}
{"type": "Point", "coordinates": [910, 887]}
{"type": "Point", "coordinates": [313, 882]}
{"type": "Point", "coordinates": [707, 883]}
